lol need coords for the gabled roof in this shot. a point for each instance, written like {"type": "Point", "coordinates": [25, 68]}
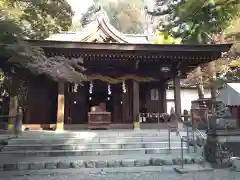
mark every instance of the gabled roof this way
{"type": "Point", "coordinates": [230, 94]}
{"type": "Point", "coordinates": [100, 31]}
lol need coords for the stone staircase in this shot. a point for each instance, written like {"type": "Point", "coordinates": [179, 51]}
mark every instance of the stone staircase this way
{"type": "Point", "coordinates": [94, 149]}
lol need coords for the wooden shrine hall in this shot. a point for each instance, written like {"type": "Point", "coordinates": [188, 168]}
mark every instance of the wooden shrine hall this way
{"type": "Point", "coordinates": [124, 80]}
{"type": "Point", "coordinates": [126, 77]}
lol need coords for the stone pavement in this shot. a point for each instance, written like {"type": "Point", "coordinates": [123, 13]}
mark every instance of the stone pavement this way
{"type": "Point", "coordinates": [140, 173]}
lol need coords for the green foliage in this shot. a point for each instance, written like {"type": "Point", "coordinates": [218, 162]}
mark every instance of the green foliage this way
{"type": "Point", "coordinates": [164, 38]}
{"type": "Point", "coordinates": [202, 21]}
{"type": "Point", "coordinates": [21, 19]}
{"type": "Point", "coordinates": [89, 15]}
{"type": "Point", "coordinates": [196, 21]}
{"type": "Point", "coordinates": [19, 53]}
{"type": "Point", "coordinates": [16, 51]}
{"type": "Point", "coordinates": [124, 15]}
{"type": "Point", "coordinates": [232, 75]}
{"type": "Point", "coordinates": [234, 28]}
{"type": "Point", "coordinates": [38, 18]}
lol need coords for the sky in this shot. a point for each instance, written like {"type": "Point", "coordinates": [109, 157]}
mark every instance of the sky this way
{"type": "Point", "coordinates": [80, 6]}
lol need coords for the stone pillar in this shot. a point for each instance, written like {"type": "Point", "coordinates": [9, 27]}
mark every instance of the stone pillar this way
{"type": "Point", "coordinates": [13, 110]}
{"type": "Point", "coordinates": [136, 104]}
{"type": "Point", "coordinates": [13, 105]}
{"type": "Point", "coordinates": [60, 108]}
{"type": "Point", "coordinates": [177, 96]}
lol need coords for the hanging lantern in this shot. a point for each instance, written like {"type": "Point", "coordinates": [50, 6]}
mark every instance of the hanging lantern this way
{"type": "Point", "coordinates": [75, 87]}
{"type": "Point", "coordinates": [124, 87]}
{"type": "Point", "coordinates": [90, 87]}
{"type": "Point", "coordinates": [109, 90]}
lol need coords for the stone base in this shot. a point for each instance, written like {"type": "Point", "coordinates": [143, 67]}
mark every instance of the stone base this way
{"type": "Point", "coordinates": [66, 163]}
{"type": "Point", "coordinates": [235, 164]}
{"type": "Point", "coordinates": [192, 169]}
{"type": "Point", "coordinates": [60, 127]}
{"type": "Point", "coordinates": [137, 129]}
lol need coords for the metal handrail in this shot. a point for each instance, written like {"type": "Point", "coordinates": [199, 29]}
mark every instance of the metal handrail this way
{"type": "Point", "coordinates": [204, 136]}
{"type": "Point", "coordinates": [203, 146]}
{"type": "Point", "coordinates": [181, 138]}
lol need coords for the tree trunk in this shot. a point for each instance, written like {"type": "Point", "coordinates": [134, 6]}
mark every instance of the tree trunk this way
{"type": "Point", "coordinates": [200, 87]}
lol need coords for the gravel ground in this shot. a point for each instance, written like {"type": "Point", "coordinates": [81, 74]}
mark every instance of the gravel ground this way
{"type": "Point", "coordinates": [80, 175]}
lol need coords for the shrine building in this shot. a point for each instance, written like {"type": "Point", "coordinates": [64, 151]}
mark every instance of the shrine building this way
{"type": "Point", "coordinates": [126, 80]}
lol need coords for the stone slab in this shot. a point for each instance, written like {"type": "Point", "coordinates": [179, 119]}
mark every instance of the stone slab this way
{"type": "Point", "coordinates": [36, 165]}
{"type": "Point", "coordinates": [79, 146]}
{"type": "Point", "coordinates": [77, 164]}
{"type": "Point", "coordinates": [92, 152]}
{"type": "Point", "coordinates": [23, 166]}
{"type": "Point", "coordinates": [66, 163]}
{"type": "Point", "coordinates": [98, 171]}
{"type": "Point", "coordinates": [235, 164]}
{"type": "Point", "coordinates": [93, 133]}
{"type": "Point", "coordinates": [191, 169]}
{"type": "Point", "coordinates": [51, 165]}
{"type": "Point", "coordinates": [74, 140]}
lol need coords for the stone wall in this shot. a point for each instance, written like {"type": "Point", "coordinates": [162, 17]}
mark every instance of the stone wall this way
{"type": "Point", "coordinates": [221, 146]}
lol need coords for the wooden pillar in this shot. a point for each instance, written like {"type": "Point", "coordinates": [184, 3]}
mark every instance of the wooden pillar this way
{"type": "Point", "coordinates": [164, 98]}
{"type": "Point", "coordinates": [177, 96]}
{"type": "Point", "coordinates": [115, 108]}
{"type": "Point", "coordinates": [135, 101]}
{"type": "Point", "coordinates": [66, 104]}
{"type": "Point", "coordinates": [160, 100]}
{"type": "Point", "coordinates": [127, 104]}
{"type": "Point", "coordinates": [60, 108]}
{"type": "Point", "coordinates": [162, 103]}
{"type": "Point", "coordinates": [125, 107]}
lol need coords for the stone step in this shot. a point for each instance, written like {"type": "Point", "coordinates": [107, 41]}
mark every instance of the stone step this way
{"type": "Point", "coordinates": [92, 134]}
{"type": "Point", "coordinates": [81, 146]}
{"type": "Point", "coordinates": [58, 140]}
{"type": "Point", "coordinates": [38, 163]}
{"type": "Point", "coordinates": [93, 152]}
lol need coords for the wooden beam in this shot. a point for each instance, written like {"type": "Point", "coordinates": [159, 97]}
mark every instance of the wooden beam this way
{"type": "Point", "coordinates": [132, 56]}
{"type": "Point", "coordinates": [130, 47]}
{"type": "Point", "coordinates": [60, 108]}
